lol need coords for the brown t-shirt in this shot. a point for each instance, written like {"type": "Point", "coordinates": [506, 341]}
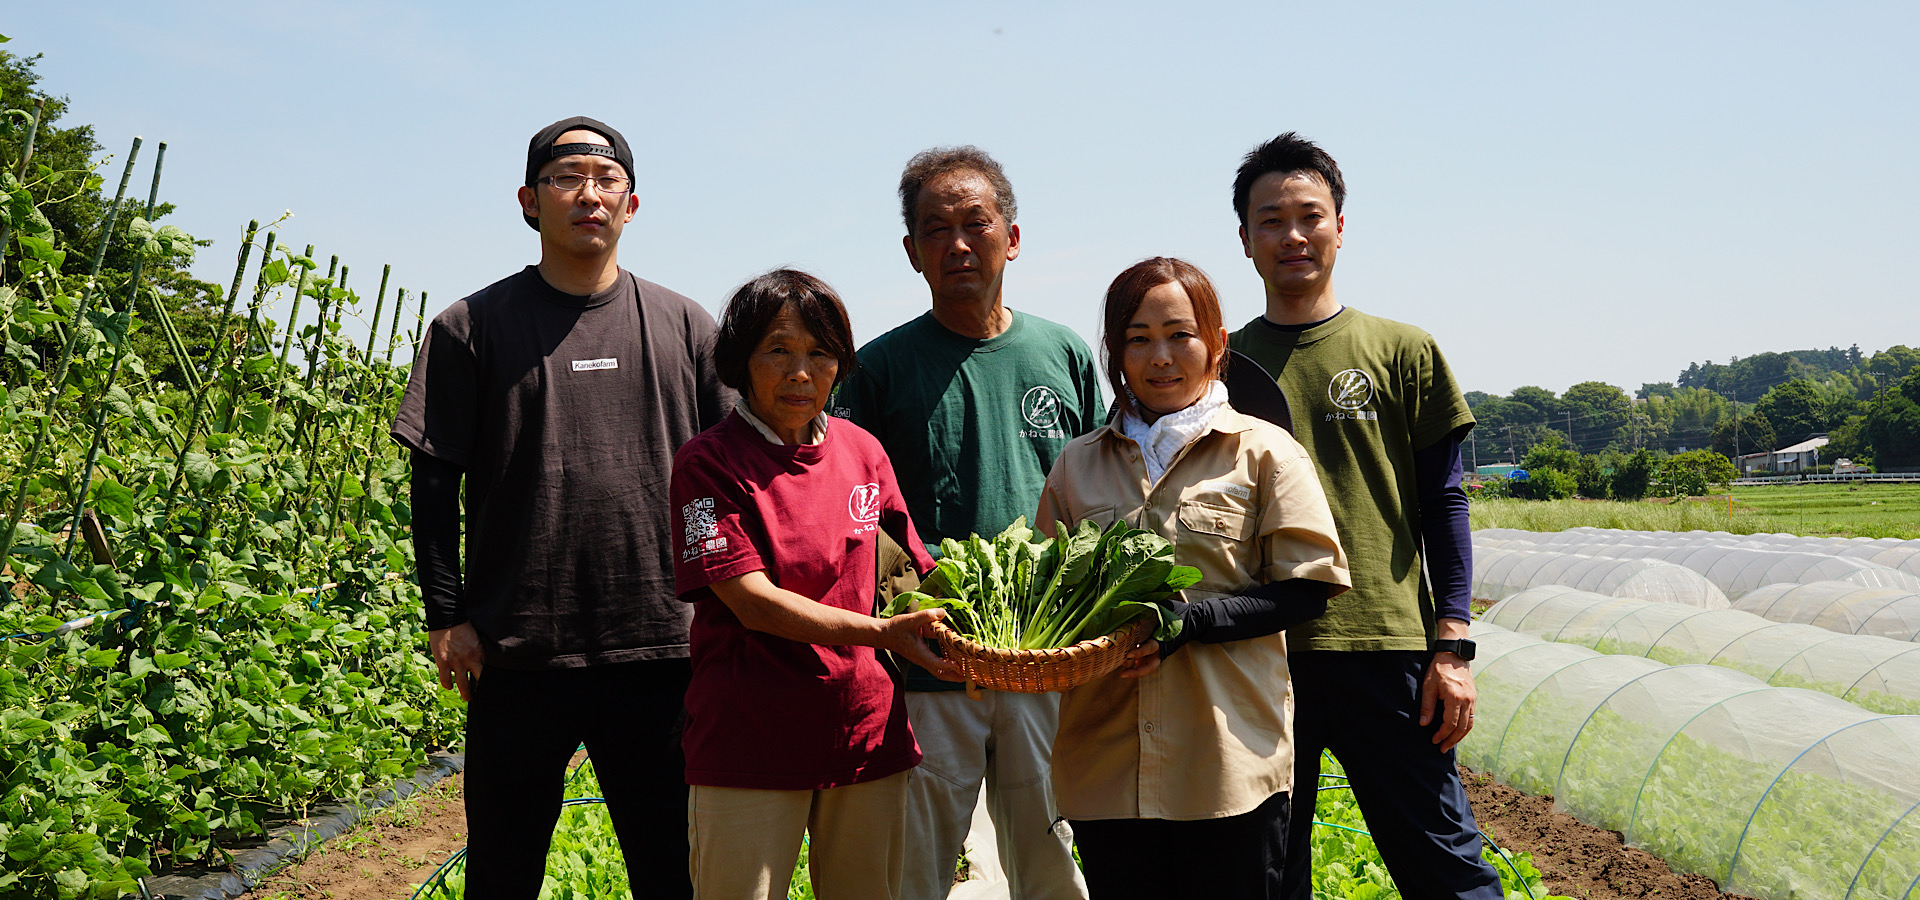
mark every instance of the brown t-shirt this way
{"type": "Point", "coordinates": [565, 412]}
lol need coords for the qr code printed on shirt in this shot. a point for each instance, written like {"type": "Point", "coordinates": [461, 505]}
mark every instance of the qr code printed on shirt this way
{"type": "Point", "coordinates": [701, 524]}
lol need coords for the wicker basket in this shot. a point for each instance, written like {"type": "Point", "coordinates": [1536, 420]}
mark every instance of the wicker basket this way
{"type": "Point", "coordinates": [1039, 671]}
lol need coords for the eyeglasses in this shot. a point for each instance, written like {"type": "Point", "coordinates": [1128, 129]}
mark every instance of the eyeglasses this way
{"type": "Point", "coordinates": [569, 182]}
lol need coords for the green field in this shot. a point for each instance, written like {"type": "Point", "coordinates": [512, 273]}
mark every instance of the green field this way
{"type": "Point", "coordinates": [1845, 510]}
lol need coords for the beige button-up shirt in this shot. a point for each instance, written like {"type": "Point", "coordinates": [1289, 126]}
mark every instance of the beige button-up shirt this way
{"type": "Point", "coordinates": [1210, 734]}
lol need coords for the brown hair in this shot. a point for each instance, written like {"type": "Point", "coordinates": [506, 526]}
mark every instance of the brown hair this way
{"type": "Point", "coordinates": [1126, 294]}
{"type": "Point", "coordinates": [756, 303]}
{"type": "Point", "coordinates": [929, 164]}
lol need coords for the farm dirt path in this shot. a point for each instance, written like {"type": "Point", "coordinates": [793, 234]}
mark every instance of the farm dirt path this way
{"type": "Point", "coordinates": [1574, 858]}
{"type": "Point", "coordinates": [400, 847]}
{"type": "Point", "coordinates": [382, 858]}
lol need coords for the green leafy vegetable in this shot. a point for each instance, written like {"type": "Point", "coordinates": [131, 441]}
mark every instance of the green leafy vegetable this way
{"type": "Point", "coordinates": [1018, 593]}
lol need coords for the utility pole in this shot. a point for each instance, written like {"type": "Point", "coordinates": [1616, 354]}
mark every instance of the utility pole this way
{"type": "Point", "coordinates": [1736, 430]}
{"type": "Point", "coordinates": [1879, 396]}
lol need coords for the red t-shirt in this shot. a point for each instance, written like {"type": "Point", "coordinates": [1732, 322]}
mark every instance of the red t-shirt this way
{"type": "Point", "coordinates": [765, 712]}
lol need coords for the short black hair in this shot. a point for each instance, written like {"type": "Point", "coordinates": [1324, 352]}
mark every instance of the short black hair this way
{"type": "Point", "coordinates": [931, 163]}
{"type": "Point", "coordinates": [753, 309]}
{"type": "Point", "coordinates": [1287, 153]}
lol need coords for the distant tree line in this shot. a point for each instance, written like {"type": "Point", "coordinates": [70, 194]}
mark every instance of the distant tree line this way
{"type": "Point", "coordinates": [1868, 406]}
{"type": "Point", "coordinates": [1556, 471]}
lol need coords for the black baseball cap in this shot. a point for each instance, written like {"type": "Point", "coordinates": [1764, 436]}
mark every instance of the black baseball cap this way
{"type": "Point", "coordinates": [542, 149]}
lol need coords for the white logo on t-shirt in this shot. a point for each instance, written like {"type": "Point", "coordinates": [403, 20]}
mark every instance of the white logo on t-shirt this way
{"type": "Point", "coordinates": [1041, 407]}
{"type": "Point", "coordinates": [589, 365]}
{"type": "Point", "coordinates": [864, 503]}
{"type": "Point", "coordinates": [1351, 389]}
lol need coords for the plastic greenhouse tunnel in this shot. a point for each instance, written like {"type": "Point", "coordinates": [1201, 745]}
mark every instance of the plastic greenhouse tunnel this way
{"type": "Point", "coordinates": [1734, 563]}
{"type": "Point", "coordinates": [1501, 573]}
{"type": "Point", "coordinates": [1903, 555]}
{"type": "Point", "coordinates": [1773, 792]}
{"type": "Point", "coordinates": [1840, 606]}
{"type": "Point", "coordinates": [1890, 552]}
{"type": "Point", "coordinates": [1737, 570]}
{"type": "Point", "coordinates": [1875, 673]}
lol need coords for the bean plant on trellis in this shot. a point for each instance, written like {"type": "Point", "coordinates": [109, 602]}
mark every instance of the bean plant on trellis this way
{"type": "Point", "coordinates": [216, 688]}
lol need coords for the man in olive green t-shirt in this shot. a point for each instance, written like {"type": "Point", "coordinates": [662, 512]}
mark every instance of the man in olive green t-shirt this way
{"type": "Point", "coordinates": [1382, 679]}
{"type": "Point", "coordinates": [973, 402]}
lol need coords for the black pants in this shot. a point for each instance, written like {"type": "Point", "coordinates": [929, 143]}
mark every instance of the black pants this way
{"type": "Point", "coordinates": [522, 727]}
{"type": "Point", "coordinates": [1236, 858]}
{"type": "Point", "coordinates": [1365, 707]}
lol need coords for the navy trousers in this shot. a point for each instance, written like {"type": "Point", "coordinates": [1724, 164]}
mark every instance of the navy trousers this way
{"type": "Point", "coordinates": [522, 727]}
{"type": "Point", "coordinates": [1365, 707]}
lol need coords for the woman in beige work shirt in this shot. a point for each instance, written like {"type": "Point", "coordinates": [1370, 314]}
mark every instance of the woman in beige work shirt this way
{"type": "Point", "coordinates": [1189, 745]}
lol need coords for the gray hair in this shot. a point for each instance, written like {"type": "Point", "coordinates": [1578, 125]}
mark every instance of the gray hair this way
{"type": "Point", "coordinates": [931, 163]}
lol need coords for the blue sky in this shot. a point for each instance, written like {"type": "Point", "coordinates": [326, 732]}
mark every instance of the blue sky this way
{"type": "Point", "coordinates": [1557, 193]}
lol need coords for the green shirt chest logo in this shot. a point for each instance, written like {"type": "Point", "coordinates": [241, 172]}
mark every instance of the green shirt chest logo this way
{"type": "Point", "coordinates": [1040, 408]}
{"type": "Point", "coordinates": [1351, 391]}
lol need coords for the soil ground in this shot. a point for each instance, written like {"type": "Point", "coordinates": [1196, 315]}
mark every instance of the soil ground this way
{"type": "Point", "coordinates": [400, 847]}
{"type": "Point", "coordinates": [383, 857]}
{"type": "Point", "coordinates": [1576, 859]}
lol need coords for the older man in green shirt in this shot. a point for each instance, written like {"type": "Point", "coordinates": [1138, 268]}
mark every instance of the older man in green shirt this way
{"type": "Point", "coordinates": [973, 402]}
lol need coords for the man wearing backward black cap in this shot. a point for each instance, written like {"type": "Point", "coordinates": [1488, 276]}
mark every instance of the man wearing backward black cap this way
{"type": "Point", "coordinates": [560, 393]}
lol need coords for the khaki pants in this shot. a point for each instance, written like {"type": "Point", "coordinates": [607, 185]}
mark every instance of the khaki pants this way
{"type": "Point", "coordinates": [745, 842]}
{"type": "Point", "coordinates": [1006, 740]}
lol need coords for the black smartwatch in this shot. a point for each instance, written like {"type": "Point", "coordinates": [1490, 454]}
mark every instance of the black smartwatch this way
{"type": "Point", "coordinates": [1460, 648]}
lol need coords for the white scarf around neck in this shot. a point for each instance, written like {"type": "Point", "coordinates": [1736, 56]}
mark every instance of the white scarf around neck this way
{"type": "Point", "coordinates": [1162, 441]}
{"type": "Point", "coordinates": [816, 429]}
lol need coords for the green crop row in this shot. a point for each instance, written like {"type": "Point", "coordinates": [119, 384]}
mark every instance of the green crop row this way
{"type": "Point", "coordinates": [1726, 797]}
{"type": "Point", "coordinates": [216, 688]}
{"type": "Point", "coordinates": [1753, 828]}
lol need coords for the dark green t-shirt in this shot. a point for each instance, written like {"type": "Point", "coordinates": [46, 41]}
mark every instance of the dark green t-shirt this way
{"type": "Point", "coordinates": [972, 426]}
{"type": "Point", "coordinates": [1366, 393]}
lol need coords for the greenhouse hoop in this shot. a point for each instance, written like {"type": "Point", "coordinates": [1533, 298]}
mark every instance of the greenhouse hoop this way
{"type": "Point", "coordinates": [1559, 786]}
{"type": "Point", "coordinates": [1733, 862]}
{"type": "Point", "coordinates": [1855, 883]}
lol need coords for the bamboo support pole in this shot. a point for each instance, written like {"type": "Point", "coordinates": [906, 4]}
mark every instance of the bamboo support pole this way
{"type": "Point", "coordinates": [113, 372]}
{"type": "Point", "coordinates": [56, 385]}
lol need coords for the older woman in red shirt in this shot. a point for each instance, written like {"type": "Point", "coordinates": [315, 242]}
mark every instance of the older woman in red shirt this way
{"type": "Point", "coordinates": [793, 725]}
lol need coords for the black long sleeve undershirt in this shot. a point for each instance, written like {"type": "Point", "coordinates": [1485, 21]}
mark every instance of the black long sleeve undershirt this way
{"type": "Point", "coordinates": [436, 539]}
{"type": "Point", "coordinates": [1264, 609]}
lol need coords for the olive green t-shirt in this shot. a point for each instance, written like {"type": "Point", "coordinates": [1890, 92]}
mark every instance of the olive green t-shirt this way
{"type": "Point", "coordinates": [1366, 393]}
